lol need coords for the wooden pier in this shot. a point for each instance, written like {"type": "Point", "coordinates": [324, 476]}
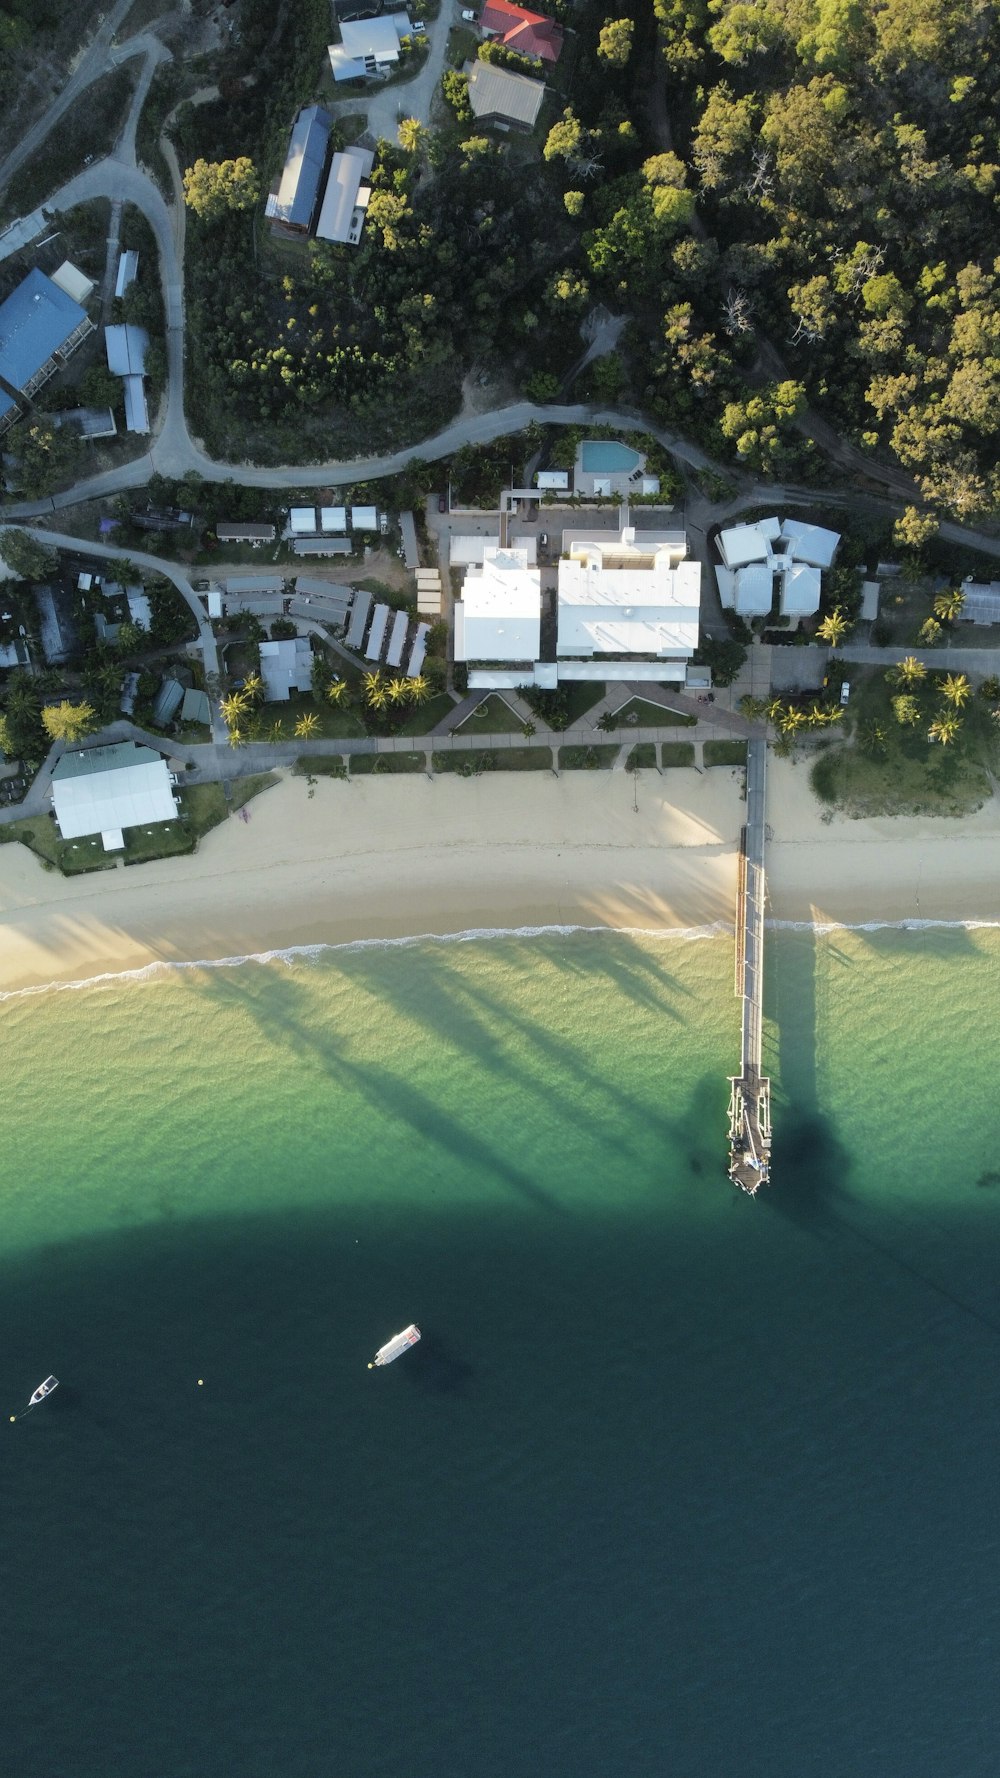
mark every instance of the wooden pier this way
{"type": "Point", "coordinates": [750, 1094]}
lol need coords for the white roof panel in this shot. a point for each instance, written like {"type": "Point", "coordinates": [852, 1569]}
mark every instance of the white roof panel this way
{"type": "Point", "coordinates": [333, 518]}
{"type": "Point", "coordinates": [125, 796]}
{"type": "Point", "coordinates": [800, 588]}
{"type": "Point", "coordinates": [741, 544]}
{"type": "Point", "coordinates": [364, 518]}
{"type": "Point", "coordinates": [502, 609]}
{"type": "Point", "coordinates": [302, 519]}
{"type": "Point", "coordinates": [754, 590]}
{"type": "Point", "coordinates": [811, 543]}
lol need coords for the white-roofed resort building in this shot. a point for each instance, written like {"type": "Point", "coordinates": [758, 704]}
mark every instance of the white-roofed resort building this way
{"type": "Point", "coordinates": [108, 789]}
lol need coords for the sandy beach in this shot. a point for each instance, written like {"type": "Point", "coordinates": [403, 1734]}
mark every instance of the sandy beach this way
{"type": "Point", "coordinates": [390, 857]}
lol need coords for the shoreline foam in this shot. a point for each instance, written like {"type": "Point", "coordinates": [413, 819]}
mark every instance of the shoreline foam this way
{"type": "Point", "coordinates": [390, 862]}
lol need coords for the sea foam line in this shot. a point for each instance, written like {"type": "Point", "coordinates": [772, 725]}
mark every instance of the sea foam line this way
{"type": "Point", "coordinates": [164, 967]}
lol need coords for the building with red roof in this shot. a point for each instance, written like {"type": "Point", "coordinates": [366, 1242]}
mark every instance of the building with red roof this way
{"type": "Point", "coordinates": [529, 33]}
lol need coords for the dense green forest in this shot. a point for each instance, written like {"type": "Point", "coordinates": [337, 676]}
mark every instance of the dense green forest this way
{"type": "Point", "coordinates": [793, 201]}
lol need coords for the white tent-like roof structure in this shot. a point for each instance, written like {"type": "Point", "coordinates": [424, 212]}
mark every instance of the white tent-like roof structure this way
{"type": "Point", "coordinates": [105, 789]}
{"type": "Point", "coordinates": [813, 544]}
{"type": "Point", "coordinates": [742, 544]}
{"type": "Point", "coordinates": [754, 590]}
{"type": "Point", "coordinates": [499, 615]}
{"type": "Point", "coordinates": [800, 587]}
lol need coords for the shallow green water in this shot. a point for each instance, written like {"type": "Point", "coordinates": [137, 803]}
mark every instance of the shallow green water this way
{"type": "Point", "coordinates": [674, 1482]}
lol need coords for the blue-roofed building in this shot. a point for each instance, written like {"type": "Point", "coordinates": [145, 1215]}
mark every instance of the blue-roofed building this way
{"type": "Point", "coordinates": [40, 326]}
{"type": "Point", "coordinates": [295, 201]}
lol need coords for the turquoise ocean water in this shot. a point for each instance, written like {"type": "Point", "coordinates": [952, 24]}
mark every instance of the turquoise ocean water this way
{"type": "Point", "coordinates": [675, 1483]}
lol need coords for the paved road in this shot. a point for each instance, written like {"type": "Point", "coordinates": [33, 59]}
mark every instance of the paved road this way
{"type": "Point", "coordinates": [410, 98]}
{"type": "Point", "coordinates": [95, 61]}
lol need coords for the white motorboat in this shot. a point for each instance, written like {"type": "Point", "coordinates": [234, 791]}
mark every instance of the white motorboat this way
{"type": "Point", "coordinates": [395, 1347]}
{"type": "Point", "coordinates": [41, 1393]}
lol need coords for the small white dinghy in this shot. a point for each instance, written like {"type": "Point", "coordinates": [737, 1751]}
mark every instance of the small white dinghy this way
{"type": "Point", "coordinates": [41, 1393]}
{"type": "Point", "coordinates": [395, 1347]}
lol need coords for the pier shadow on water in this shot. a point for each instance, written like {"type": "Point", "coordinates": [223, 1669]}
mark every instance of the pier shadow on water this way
{"type": "Point", "coordinates": [809, 1164]}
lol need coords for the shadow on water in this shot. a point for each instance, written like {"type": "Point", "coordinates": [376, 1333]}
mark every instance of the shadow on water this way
{"type": "Point", "coordinates": [809, 1164]}
{"type": "Point", "coordinates": [287, 1016]}
{"type": "Point", "coordinates": [436, 1368]}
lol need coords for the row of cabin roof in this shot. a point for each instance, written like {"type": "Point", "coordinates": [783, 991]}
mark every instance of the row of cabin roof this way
{"type": "Point", "coordinates": [627, 607]}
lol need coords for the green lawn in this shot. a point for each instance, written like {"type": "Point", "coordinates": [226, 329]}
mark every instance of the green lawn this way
{"type": "Point", "coordinates": [505, 759]}
{"type": "Point", "coordinates": [72, 857]}
{"type": "Point", "coordinates": [336, 721]}
{"type": "Point", "coordinates": [423, 718]}
{"type": "Point", "coordinates": [887, 769]}
{"type": "Point", "coordinates": [573, 759]}
{"type": "Point", "coordinates": [374, 765]}
{"type": "Point", "coordinates": [581, 695]}
{"type": "Point", "coordinates": [493, 716]}
{"type": "Point", "coordinates": [677, 753]}
{"type": "Point", "coordinates": [643, 755]}
{"type": "Point", "coordinates": [328, 765]}
{"type": "Point", "coordinates": [642, 713]}
{"type": "Point", "coordinates": [725, 753]}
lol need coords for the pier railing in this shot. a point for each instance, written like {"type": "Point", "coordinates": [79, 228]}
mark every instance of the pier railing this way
{"type": "Point", "coordinates": [750, 1091]}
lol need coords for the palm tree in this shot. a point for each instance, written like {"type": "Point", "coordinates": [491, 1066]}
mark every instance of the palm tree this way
{"type": "Point", "coordinates": [276, 732]}
{"type": "Point", "coordinates": [834, 627]}
{"type": "Point", "coordinates": [375, 692]}
{"type": "Point", "coordinates": [68, 722]}
{"type": "Point", "coordinates": [252, 687]}
{"type": "Point", "coordinates": [336, 691]}
{"type": "Point", "coordinates": [816, 715]}
{"type": "Point", "coordinates": [792, 719]}
{"type": "Point", "coordinates": [944, 728]}
{"type": "Point", "coordinates": [420, 688]}
{"type": "Point", "coordinates": [949, 605]}
{"type": "Point", "coordinates": [233, 708]}
{"type": "Point", "coordinates": [306, 726]}
{"type": "Point", "coordinates": [774, 710]}
{"type": "Point", "coordinates": [955, 688]}
{"type": "Point", "coordinates": [906, 710]}
{"type": "Point", "coordinates": [235, 737]}
{"type": "Point", "coordinates": [398, 690]}
{"type": "Point", "coordinates": [910, 671]}
{"type": "Point", "coordinates": [930, 630]}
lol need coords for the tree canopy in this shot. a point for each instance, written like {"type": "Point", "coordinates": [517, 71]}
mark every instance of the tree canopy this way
{"type": "Point", "coordinates": [212, 188]}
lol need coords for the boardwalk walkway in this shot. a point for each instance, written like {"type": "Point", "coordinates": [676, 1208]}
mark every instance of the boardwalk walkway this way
{"type": "Point", "coordinates": [750, 1101]}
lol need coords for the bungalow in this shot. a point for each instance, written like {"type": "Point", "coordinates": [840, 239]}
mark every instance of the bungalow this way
{"type": "Point", "coordinates": [285, 667]}
{"type": "Point", "coordinates": [227, 531]}
{"type": "Point", "coordinates": [126, 352]}
{"type": "Point", "coordinates": [345, 201]}
{"type": "Point", "coordinates": [293, 205]}
{"type": "Point", "coordinates": [753, 554]}
{"type": "Point", "coordinates": [500, 98]}
{"type": "Point", "coordinates": [368, 47]}
{"type": "Point", "coordinates": [529, 33]}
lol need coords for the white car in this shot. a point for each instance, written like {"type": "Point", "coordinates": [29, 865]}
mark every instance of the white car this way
{"type": "Point", "coordinates": [469, 17]}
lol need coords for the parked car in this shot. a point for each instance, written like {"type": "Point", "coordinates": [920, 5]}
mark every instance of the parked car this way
{"type": "Point", "coordinates": [419, 28]}
{"type": "Point", "coordinates": [845, 691]}
{"type": "Point", "coordinates": [442, 503]}
{"type": "Point", "coordinates": [469, 17]}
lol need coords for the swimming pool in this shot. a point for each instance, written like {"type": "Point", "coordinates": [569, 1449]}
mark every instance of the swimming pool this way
{"type": "Point", "coordinates": [603, 456]}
